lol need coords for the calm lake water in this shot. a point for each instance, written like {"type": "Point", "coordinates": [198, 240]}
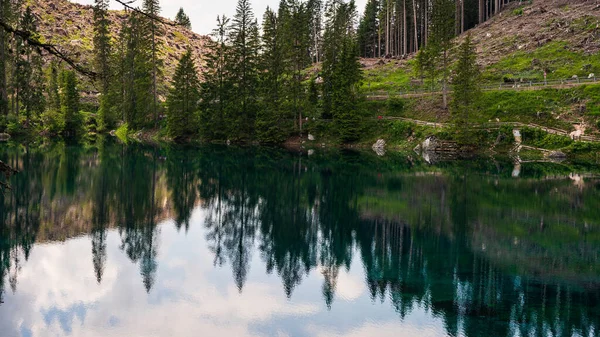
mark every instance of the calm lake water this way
{"type": "Point", "coordinates": [116, 240]}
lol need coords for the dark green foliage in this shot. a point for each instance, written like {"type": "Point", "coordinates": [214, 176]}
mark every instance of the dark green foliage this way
{"type": "Point", "coordinates": [542, 139]}
{"type": "Point", "coordinates": [102, 61]}
{"type": "Point", "coordinates": [183, 100]}
{"type": "Point", "coordinates": [69, 101]}
{"type": "Point", "coordinates": [368, 30]}
{"type": "Point", "coordinates": [217, 86]}
{"type": "Point", "coordinates": [466, 86]}
{"type": "Point", "coordinates": [245, 45]}
{"type": "Point", "coordinates": [182, 19]}
{"type": "Point", "coordinates": [271, 119]}
{"type": "Point", "coordinates": [341, 70]}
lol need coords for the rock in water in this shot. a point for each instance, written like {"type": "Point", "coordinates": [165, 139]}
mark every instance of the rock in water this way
{"type": "Point", "coordinates": [311, 137]}
{"type": "Point", "coordinates": [4, 137]}
{"type": "Point", "coordinates": [379, 147]}
{"type": "Point", "coordinates": [557, 155]}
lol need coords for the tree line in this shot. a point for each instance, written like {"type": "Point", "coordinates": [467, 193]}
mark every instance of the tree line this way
{"type": "Point", "coordinates": [396, 28]}
{"type": "Point", "coordinates": [260, 81]}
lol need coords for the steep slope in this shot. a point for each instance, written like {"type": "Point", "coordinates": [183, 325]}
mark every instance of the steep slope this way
{"type": "Point", "coordinates": [69, 26]}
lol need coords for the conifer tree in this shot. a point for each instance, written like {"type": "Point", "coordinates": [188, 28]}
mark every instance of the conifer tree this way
{"type": "Point", "coordinates": [69, 102]}
{"type": "Point", "coordinates": [102, 54]}
{"type": "Point", "coordinates": [152, 8]}
{"type": "Point", "coordinates": [183, 99]}
{"type": "Point", "coordinates": [245, 45]}
{"type": "Point", "coordinates": [5, 12]}
{"type": "Point", "coordinates": [217, 86]}
{"type": "Point", "coordinates": [465, 84]}
{"type": "Point", "coordinates": [440, 42]}
{"type": "Point", "coordinates": [270, 119]}
{"type": "Point", "coordinates": [182, 19]}
{"type": "Point", "coordinates": [341, 69]}
{"type": "Point", "coordinates": [367, 30]}
{"type": "Point", "coordinates": [30, 78]}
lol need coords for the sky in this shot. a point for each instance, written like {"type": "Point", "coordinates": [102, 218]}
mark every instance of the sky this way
{"type": "Point", "coordinates": [203, 13]}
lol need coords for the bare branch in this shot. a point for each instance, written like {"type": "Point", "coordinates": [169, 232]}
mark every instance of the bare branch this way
{"type": "Point", "coordinates": [50, 48]}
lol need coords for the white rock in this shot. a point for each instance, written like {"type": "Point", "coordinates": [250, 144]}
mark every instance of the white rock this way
{"type": "Point", "coordinates": [311, 137]}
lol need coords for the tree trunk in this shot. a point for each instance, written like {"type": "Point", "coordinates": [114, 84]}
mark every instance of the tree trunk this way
{"type": "Point", "coordinates": [416, 49]}
{"type": "Point", "coordinates": [405, 31]}
{"type": "Point", "coordinates": [445, 81]}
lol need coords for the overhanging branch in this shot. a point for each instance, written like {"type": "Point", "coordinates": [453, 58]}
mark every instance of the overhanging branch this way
{"type": "Point", "coordinates": [50, 48]}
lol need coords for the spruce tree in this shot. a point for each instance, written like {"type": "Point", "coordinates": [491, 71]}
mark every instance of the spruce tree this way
{"type": "Point", "coordinates": [102, 54]}
{"type": "Point", "coordinates": [182, 19]}
{"type": "Point", "coordinates": [5, 12]}
{"type": "Point", "coordinates": [217, 88]}
{"type": "Point", "coordinates": [152, 8]}
{"type": "Point", "coordinates": [245, 46]}
{"type": "Point", "coordinates": [270, 119]}
{"type": "Point", "coordinates": [367, 30]}
{"type": "Point", "coordinates": [466, 86]}
{"type": "Point", "coordinates": [341, 70]}
{"type": "Point", "coordinates": [440, 42]}
{"type": "Point", "coordinates": [69, 102]}
{"type": "Point", "coordinates": [183, 99]}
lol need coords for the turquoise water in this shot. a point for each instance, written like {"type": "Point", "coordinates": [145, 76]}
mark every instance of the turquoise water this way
{"type": "Point", "coordinates": [116, 240]}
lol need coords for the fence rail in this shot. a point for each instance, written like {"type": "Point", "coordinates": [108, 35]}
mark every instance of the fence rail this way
{"type": "Point", "coordinates": [517, 86]}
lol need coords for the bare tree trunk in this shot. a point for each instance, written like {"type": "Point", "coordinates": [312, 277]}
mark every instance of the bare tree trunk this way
{"type": "Point", "coordinates": [481, 18]}
{"type": "Point", "coordinates": [154, 76]}
{"type": "Point", "coordinates": [405, 31]}
{"type": "Point", "coordinates": [462, 16]}
{"type": "Point", "coordinates": [416, 49]}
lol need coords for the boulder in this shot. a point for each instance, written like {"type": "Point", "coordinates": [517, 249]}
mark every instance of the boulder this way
{"type": "Point", "coordinates": [557, 155]}
{"type": "Point", "coordinates": [311, 137]}
{"type": "Point", "coordinates": [4, 137]}
{"type": "Point", "coordinates": [379, 147]}
{"type": "Point", "coordinates": [592, 75]}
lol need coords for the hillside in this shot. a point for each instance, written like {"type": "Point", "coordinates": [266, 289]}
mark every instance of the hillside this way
{"type": "Point", "coordinates": [68, 25]}
{"type": "Point", "coordinates": [559, 37]}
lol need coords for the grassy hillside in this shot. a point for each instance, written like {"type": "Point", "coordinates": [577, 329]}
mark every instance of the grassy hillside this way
{"type": "Point", "coordinates": [559, 37]}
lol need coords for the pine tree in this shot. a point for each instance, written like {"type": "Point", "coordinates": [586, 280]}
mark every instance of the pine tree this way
{"type": "Point", "coordinates": [182, 102]}
{"type": "Point", "coordinates": [367, 30]}
{"type": "Point", "coordinates": [102, 54]}
{"type": "Point", "coordinates": [271, 119]}
{"type": "Point", "coordinates": [29, 77]}
{"type": "Point", "coordinates": [182, 19]}
{"type": "Point", "coordinates": [440, 42]}
{"type": "Point", "coordinates": [217, 88]}
{"type": "Point", "coordinates": [5, 12]}
{"type": "Point", "coordinates": [69, 102]}
{"type": "Point", "coordinates": [466, 87]}
{"type": "Point", "coordinates": [245, 45]}
{"type": "Point", "coordinates": [152, 8]}
{"type": "Point", "coordinates": [341, 69]}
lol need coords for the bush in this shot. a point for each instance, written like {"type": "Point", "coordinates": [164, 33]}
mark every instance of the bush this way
{"type": "Point", "coordinates": [401, 129]}
{"type": "Point", "coordinates": [53, 122]}
{"type": "Point", "coordinates": [518, 11]}
{"type": "Point", "coordinates": [395, 105]}
{"type": "Point", "coordinates": [542, 139]}
{"type": "Point", "coordinates": [122, 132]}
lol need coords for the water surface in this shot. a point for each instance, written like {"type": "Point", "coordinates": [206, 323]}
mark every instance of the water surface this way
{"type": "Point", "coordinates": [117, 240]}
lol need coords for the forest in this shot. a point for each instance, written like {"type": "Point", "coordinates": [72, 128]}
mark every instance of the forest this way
{"type": "Point", "coordinates": [262, 82]}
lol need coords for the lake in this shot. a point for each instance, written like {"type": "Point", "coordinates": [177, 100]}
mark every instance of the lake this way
{"type": "Point", "coordinates": [129, 240]}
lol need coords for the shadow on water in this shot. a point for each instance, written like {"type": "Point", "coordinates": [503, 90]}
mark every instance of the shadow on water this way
{"type": "Point", "coordinates": [478, 247]}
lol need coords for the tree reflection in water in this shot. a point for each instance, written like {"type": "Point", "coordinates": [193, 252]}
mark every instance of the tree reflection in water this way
{"type": "Point", "coordinates": [481, 249]}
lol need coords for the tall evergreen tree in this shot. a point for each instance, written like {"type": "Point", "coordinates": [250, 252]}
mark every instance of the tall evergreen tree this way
{"type": "Point", "coordinates": [440, 42]}
{"type": "Point", "coordinates": [245, 46]}
{"type": "Point", "coordinates": [182, 19]}
{"type": "Point", "coordinates": [466, 87]}
{"type": "Point", "coordinates": [367, 30]}
{"type": "Point", "coordinates": [270, 119]}
{"type": "Point", "coordinates": [5, 12]}
{"type": "Point", "coordinates": [183, 100]}
{"type": "Point", "coordinates": [30, 78]}
{"type": "Point", "coordinates": [69, 102]}
{"type": "Point", "coordinates": [217, 86]}
{"type": "Point", "coordinates": [152, 9]}
{"type": "Point", "coordinates": [341, 69]}
{"type": "Point", "coordinates": [102, 54]}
